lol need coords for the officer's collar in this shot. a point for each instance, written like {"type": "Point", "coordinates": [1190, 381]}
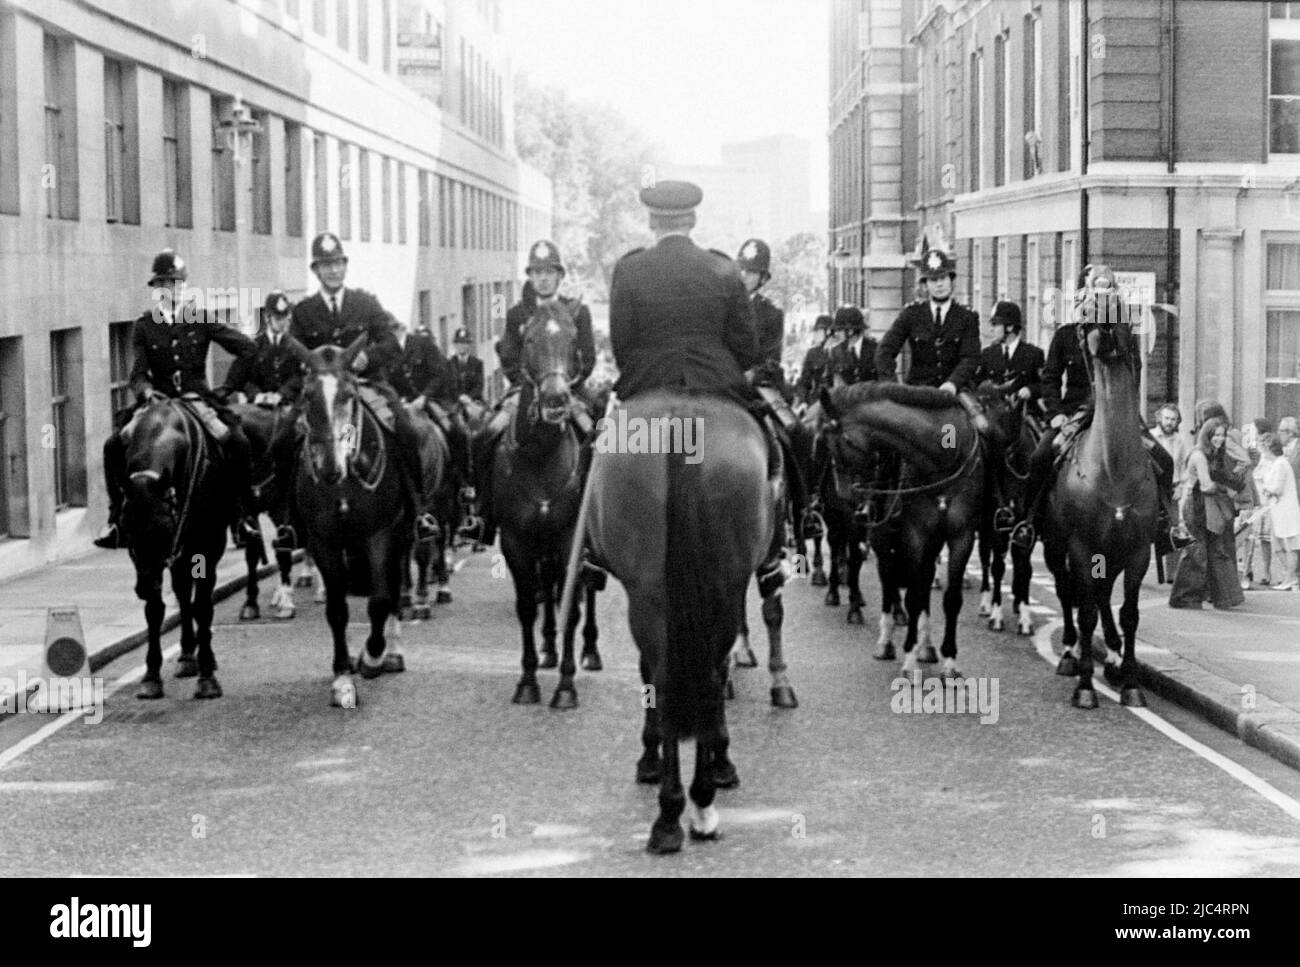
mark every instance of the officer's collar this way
{"type": "Point", "coordinates": [942, 304]}
{"type": "Point", "coordinates": [336, 294]}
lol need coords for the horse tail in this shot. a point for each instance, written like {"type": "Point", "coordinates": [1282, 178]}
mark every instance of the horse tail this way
{"type": "Point", "coordinates": [701, 620]}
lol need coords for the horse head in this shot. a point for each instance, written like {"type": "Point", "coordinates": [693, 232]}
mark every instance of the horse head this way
{"type": "Point", "coordinates": [549, 359]}
{"type": "Point", "coordinates": [331, 407]}
{"type": "Point", "coordinates": [1004, 415]}
{"type": "Point", "coordinates": [156, 457]}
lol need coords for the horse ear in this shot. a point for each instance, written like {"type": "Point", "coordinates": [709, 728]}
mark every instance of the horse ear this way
{"type": "Point", "coordinates": [351, 352]}
{"type": "Point", "coordinates": [298, 351]}
{"type": "Point", "coordinates": [828, 407]}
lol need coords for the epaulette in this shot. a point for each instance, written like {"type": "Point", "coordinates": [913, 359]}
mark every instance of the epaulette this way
{"type": "Point", "coordinates": [720, 252]}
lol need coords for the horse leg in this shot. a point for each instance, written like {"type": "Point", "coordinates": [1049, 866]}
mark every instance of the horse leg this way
{"type": "Point", "coordinates": [282, 600]}
{"type": "Point", "coordinates": [1021, 570]}
{"type": "Point", "coordinates": [666, 834]}
{"type": "Point", "coordinates": [818, 579]}
{"type": "Point", "coordinates": [525, 575]}
{"type": "Point", "coordinates": [648, 626]}
{"type": "Point", "coordinates": [742, 655]}
{"type": "Point", "coordinates": [959, 551]}
{"type": "Point", "coordinates": [252, 557]}
{"type": "Point", "coordinates": [1130, 694]}
{"type": "Point", "coordinates": [546, 579]}
{"type": "Point", "coordinates": [703, 821]}
{"type": "Point", "coordinates": [333, 581]}
{"type": "Point", "coordinates": [774, 617]}
{"type": "Point", "coordinates": [566, 695]}
{"type": "Point", "coordinates": [916, 600]}
{"type": "Point", "coordinates": [442, 572]}
{"type": "Point", "coordinates": [986, 554]}
{"type": "Point", "coordinates": [997, 612]}
{"type": "Point", "coordinates": [187, 665]}
{"type": "Point", "coordinates": [404, 599]}
{"type": "Point", "coordinates": [1084, 695]}
{"type": "Point", "coordinates": [854, 581]}
{"type": "Point", "coordinates": [1058, 565]}
{"type": "Point", "coordinates": [590, 633]}
{"type": "Point", "coordinates": [424, 553]}
{"type": "Point", "coordinates": [207, 685]}
{"type": "Point", "coordinates": [889, 601]}
{"type": "Point", "coordinates": [836, 546]}
{"type": "Point", "coordinates": [151, 685]}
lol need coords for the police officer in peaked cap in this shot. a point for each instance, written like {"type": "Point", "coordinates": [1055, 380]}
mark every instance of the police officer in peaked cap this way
{"type": "Point", "coordinates": [273, 376]}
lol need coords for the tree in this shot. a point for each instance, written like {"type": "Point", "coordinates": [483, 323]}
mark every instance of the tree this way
{"type": "Point", "coordinates": [798, 283]}
{"type": "Point", "coordinates": [596, 162]}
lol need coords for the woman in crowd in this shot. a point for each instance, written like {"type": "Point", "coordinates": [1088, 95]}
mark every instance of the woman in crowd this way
{"type": "Point", "coordinates": [1208, 567]}
{"type": "Point", "coordinates": [1279, 491]}
{"type": "Point", "coordinates": [1259, 535]}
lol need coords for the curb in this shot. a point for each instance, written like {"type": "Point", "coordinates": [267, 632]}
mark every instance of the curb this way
{"type": "Point", "coordinates": [224, 589]}
{"type": "Point", "coordinates": [1257, 720]}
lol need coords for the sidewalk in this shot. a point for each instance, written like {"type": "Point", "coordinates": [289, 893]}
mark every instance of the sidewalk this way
{"type": "Point", "coordinates": [100, 584]}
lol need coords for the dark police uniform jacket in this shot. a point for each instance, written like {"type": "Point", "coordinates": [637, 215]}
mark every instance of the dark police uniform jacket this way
{"type": "Point", "coordinates": [769, 323]}
{"type": "Point", "coordinates": [314, 326]}
{"type": "Point", "coordinates": [1065, 359]}
{"type": "Point", "coordinates": [511, 347]}
{"type": "Point", "coordinates": [1025, 367]}
{"type": "Point", "coordinates": [271, 369]}
{"type": "Point", "coordinates": [814, 374]}
{"type": "Point", "coordinates": [468, 376]}
{"type": "Point", "coordinates": [420, 369]}
{"type": "Point", "coordinates": [679, 318]}
{"type": "Point", "coordinates": [949, 355]}
{"type": "Point", "coordinates": [851, 370]}
{"type": "Point", "coordinates": [172, 357]}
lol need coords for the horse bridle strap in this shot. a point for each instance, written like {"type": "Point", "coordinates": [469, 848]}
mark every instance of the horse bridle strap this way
{"type": "Point", "coordinates": [198, 448]}
{"type": "Point", "coordinates": [922, 489]}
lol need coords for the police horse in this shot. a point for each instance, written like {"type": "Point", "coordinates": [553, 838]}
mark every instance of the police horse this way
{"type": "Point", "coordinates": [935, 504]}
{"type": "Point", "coordinates": [537, 476]}
{"type": "Point", "coordinates": [177, 504]}
{"type": "Point", "coordinates": [262, 425]}
{"type": "Point", "coordinates": [1100, 518]}
{"type": "Point", "coordinates": [685, 539]}
{"type": "Point", "coordinates": [431, 557]}
{"type": "Point", "coordinates": [357, 519]}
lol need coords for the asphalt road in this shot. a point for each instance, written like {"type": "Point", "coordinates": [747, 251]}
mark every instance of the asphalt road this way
{"type": "Point", "coordinates": [437, 773]}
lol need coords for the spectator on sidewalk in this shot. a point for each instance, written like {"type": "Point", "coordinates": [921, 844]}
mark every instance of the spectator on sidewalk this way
{"type": "Point", "coordinates": [1257, 555]}
{"type": "Point", "coordinates": [1167, 432]}
{"type": "Point", "coordinates": [1206, 569]}
{"type": "Point", "coordinates": [1288, 431]}
{"type": "Point", "coordinates": [1279, 489]}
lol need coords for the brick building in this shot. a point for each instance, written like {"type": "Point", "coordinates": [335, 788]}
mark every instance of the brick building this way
{"type": "Point", "coordinates": [1185, 172]}
{"type": "Point", "coordinates": [387, 122]}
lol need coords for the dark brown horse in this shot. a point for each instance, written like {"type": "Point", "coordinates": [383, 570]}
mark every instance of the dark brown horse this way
{"type": "Point", "coordinates": [538, 469]}
{"type": "Point", "coordinates": [430, 557]}
{"type": "Point", "coordinates": [177, 506]}
{"type": "Point", "coordinates": [1100, 520]}
{"type": "Point", "coordinates": [845, 535]}
{"type": "Point", "coordinates": [936, 502]}
{"type": "Point", "coordinates": [685, 537]}
{"type": "Point", "coordinates": [261, 424]}
{"type": "Point", "coordinates": [357, 519]}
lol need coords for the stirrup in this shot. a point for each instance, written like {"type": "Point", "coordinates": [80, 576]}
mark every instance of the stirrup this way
{"type": "Point", "coordinates": [426, 528]}
{"type": "Point", "coordinates": [110, 538]}
{"type": "Point", "coordinates": [468, 494]}
{"type": "Point", "coordinates": [1004, 519]}
{"type": "Point", "coordinates": [1024, 536]}
{"type": "Point", "coordinates": [1179, 537]}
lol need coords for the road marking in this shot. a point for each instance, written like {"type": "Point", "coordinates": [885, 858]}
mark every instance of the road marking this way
{"type": "Point", "coordinates": [1043, 644]}
{"type": "Point", "coordinates": [67, 718]}
{"type": "Point", "coordinates": [1278, 657]}
{"type": "Point", "coordinates": [36, 785]}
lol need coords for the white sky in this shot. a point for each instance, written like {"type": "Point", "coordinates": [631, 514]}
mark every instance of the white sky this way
{"type": "Point", "coordinates": [690, 74]}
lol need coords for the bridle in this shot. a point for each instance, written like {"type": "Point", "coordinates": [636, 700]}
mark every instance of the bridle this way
{"type": "Point", "coordinates": [178, 512]}
{"type": "Point", "coordinates": [561, 372]}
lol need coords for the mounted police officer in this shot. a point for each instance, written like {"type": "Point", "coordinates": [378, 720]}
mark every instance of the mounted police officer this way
{"type": "Point", "coordinates": [170, 349]}
{"type": "Point", "coordinates": [545, 270]}
{"type": "Point", "coordinates": [336, 315]}
{"type": "Point", "coordinates": [466, 368]}
{"type": "Point", "coordinates": [1070, 411]}
{"type": "Point", "coordinates": [273, 375]}
{"type": "Point", "coordinates": [854, 359]}
{"type": "Point", "coordinates": [813, 375]}
{"type": "Point", "coordinates": [755, 262]}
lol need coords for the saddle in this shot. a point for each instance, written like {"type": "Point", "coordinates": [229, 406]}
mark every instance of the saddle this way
{"type": "Point", "coordinates": [206, 416]}
{"type": "Point", "coordinates": [377, 403]}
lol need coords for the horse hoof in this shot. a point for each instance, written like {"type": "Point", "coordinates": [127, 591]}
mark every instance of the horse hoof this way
{"type": "Point", "coordinates": [900, 618]}
{"type": "Point", "coordinates": [832, 598]}
{"type": "Point", "coordinates": [985, 610]}
{"type": "Point", "coordinates": [187, 666]}
{"type": "Point", "coordinates": [725, 775]}
{"type": "Point", "coordinates": [818, 579]}
{"type": "Point", "coordinates": [1068, 666]}
{"type": "Point", "coordinates": [368, 671]}
{"type": "Point", "coordinates": [745, 658]}
{"type": "Point", "coordinates": [884, 652]}
{"type": "Point", "coordinates": [564, 699]}
{"type": "Point", "coordinates": [443, 596]}
{"type": "Point", "coordinates": [951, 674]}
{"type": "Point", "coordinates": [926, 654]}
{"type": "Point", "coordinates": [651, 771]}
{"type": "Point", "coordinates": [319, 596]}
{"type": "Point", "coordinates": [729, 690]}
{"type": "Point", "coordinates": [665, 839]}
{"type": "Point", "coordinates": [997, 623]}
{"type": "Point", "coordinates": [854, 615]}
{"type": "Point", "coordinates": [698, 837]}
{"type": "Point", "coordinates": [783, 697]}
{"type": "Point", "coordinates": [285, 614]}
{"type": "Point", "coordinates": [343, 695]}
{"type": "Point", "coordinates": [1025, 627]}
{"type": "Point", "coordinates": [150, 688]}
{"type": "Point", "coordinates": [208, 687]}
{"type": "Point", "coordinates": [527, 693]}
{"type": "Point", "coordinates": [1084, 698]}
{"type": "Point", "coordinates": [304, 581]}
{"type": "Point", "coordinates": [548, 660]}
{"type": "Point", "coordinates": [249, 612]}
{"type": "Point", "coordinates": [1112, 674]}
{"type": "Point", "coordinates": [393, 664]}
{"type": "Point", "coordinates": [421, 612]}
{"type": "Point", "coordinates": [591, 661]}
{"type": "Point", "coordinates": [1132, 697]}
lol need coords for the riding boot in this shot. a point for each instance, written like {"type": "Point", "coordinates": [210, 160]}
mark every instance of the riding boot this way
{"type": "Point", "coordinates": [114, 471]}
{"type": "Point", "coordinates": [239, 454]}
{"type": "Point", "coordinates": [1023, 535]}
{"type": "Point", "coordinates": [284, 445]}
{"type": "Point", "coordinates": [484, 451]}
{"type": "Point", "coordinates": [408, 451]}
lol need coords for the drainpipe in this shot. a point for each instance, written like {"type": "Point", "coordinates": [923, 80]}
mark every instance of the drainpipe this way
{"type": "Point", "coordinates": [1085, 65]}
{"type": "Point", "coordinates": [1171, 285]}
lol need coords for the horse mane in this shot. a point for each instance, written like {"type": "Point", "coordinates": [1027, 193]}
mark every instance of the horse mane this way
{"type": "Point", "coordinates": [922, 397]}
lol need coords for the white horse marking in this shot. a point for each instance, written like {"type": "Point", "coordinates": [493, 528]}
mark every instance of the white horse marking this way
{"type": "Point", "coordinates": [704, 821]}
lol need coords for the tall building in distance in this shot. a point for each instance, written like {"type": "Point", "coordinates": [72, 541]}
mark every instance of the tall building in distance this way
{"type": "Point", "coordinates": [1157, 136]}
{"type": "Point", "coordinates": [385, 121]}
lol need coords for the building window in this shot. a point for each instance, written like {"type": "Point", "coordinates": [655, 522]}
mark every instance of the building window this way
{"type": "Point", "coordinates": [422, 227]}
{"type": "Point", "coordinates": [385, 43]}
{"type": "Point", "coordinates": [1002, 269]}
{"type": "Point", "coordinates": [464, 81]}
{"type": "Point", "coordinates": [1284, 83]}
{"type": "Point", "coordinates": [68, 419]}
{"type": "Point", "coordinates": [177, 212]}
{"type": "Point", "coordinates": [454, 214]}
{"type": "Point", "coordinates": [442, 211]}
{"type": "Point", "coordinates": [119, 365]}
{"type": "Point", "coordinates": [318, 16]}
{"type": "Point", "coordinates": [976, 117]}
{"type": "Point", "coordinates": [1033, 282]}
{"type": "Point", "coordinates": [9, 187]}
{"type": "Point", "coordinates": [977, 274]}
{"type": "Point", "coordinates": [345, 190]}
{"type": "Point", "coordinates": [60, 173]}
{"type": "Point", "coordinates": [322, 179]}
{"type": "Point", "coordinates": [466, 213]}
{"type": "Point", "coordinates": [121, 151]}
{"type": "Point", "coordinates": [1074, 73]}
{"type": "Point", "coordinates": [425, 316]}
{"type": "Point", "coordinates": [401, 203]}
{"type": "Point", "coordinates": [363, 30]}
{"type": "Point", "coordinates": [293, 179]}
{"type": "Point", "coordinates": [363, 188]}
{"type": "Point", "coordinates": [291, 8]}
{"type": "Point", "coordinates": [14, 516]}
{"type": "Point", "coordinates": [223, 169]}
{"type": "Point", "coordinates": [386, 169]}
{"type": "Point", "coordinates": [261, 175]}
{"type": "Point", "coordinates": [1282, 338]}
{"type": "Point", "coordinates": [343, 13]}
{"type": "Point", "coordinates": [1033, 114]}
{"type": "Point", "coordinates": [1001, 91]}
{"type": "Point", "coordinates": [1069, 273]}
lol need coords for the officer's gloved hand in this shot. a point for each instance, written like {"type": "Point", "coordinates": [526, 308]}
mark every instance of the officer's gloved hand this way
{"type": "Point", "coordinates": [359, 362]}
{"type": "Point", "coordinates": [949, 387]}
{"type": "Point", "coordinates": [1058, 421]}
{"type": "Point", "coordinates": [1024, 393]}
{"type": "Point", "coordinates": [153, 396]}
{"type": "Point", "coordinates": [267, 399]}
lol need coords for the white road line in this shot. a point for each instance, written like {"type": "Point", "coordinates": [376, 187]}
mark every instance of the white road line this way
{"type": "Point", "coordinates": [67, 718]}
{"type": "Point", "coordinates": [1288, 805]}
